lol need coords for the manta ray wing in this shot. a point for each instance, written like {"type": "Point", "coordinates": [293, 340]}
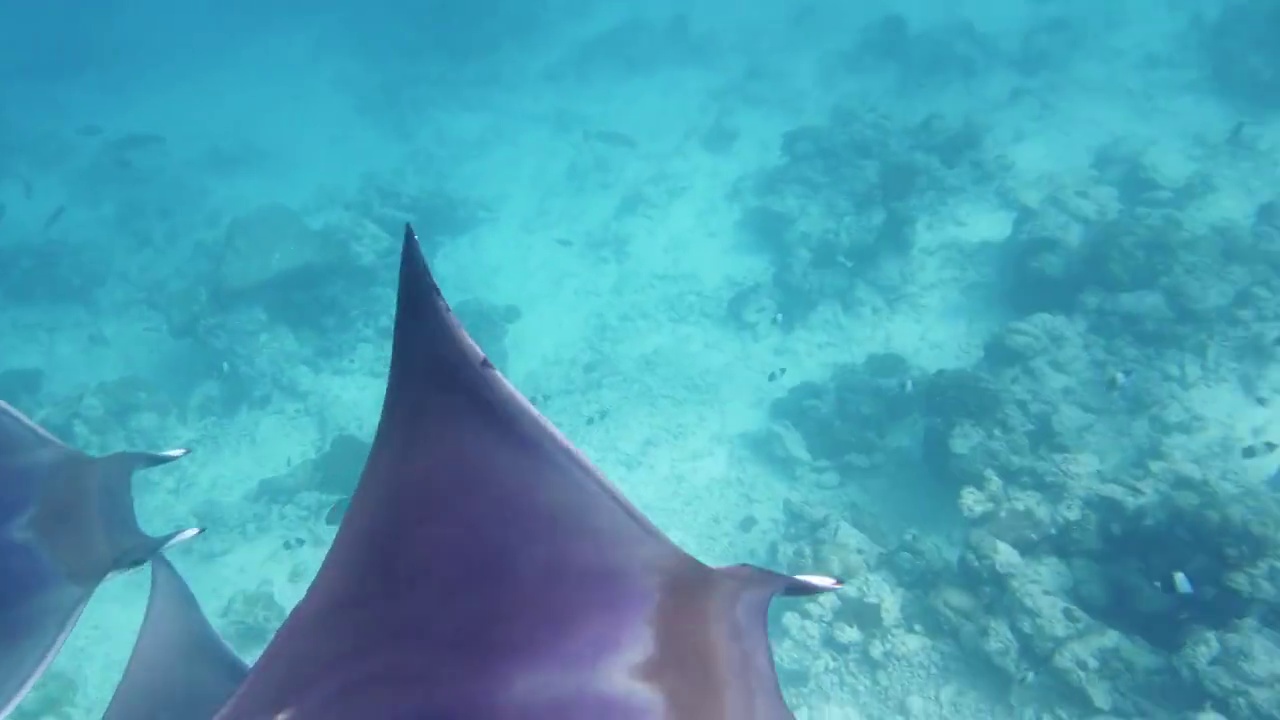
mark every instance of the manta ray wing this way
{"type": "Point", "coordinates": [175, 634]}
{"type": "Point", "coordinates": [485, 570]}
{"type": "Point", "coordinates": [66, 523]}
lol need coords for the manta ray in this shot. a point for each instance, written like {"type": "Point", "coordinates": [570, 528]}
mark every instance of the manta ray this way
{"type": "Point", "coordinates": [67, 522]}
{"type": "Point", "coordinates": [484, 570]}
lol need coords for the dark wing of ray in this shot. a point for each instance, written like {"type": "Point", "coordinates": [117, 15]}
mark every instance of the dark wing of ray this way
{"type": "Point", "coordinates": [180, 668]}
{"type": "Point", "coordinates": [66, 522]}
{"type": "Point", "coordinates": [486, 570]}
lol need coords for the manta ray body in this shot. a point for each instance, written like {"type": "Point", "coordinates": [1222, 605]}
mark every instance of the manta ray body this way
{"type": "Point", "coordinates": [66, 524]}
{"type": "Point", "coordinates": [485, 570]}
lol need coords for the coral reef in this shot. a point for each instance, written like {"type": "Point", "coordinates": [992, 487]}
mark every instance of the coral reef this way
{"type": "Point", "coordinates": [251, 617]}
{"type": "Point", "coordinates": [1118, 557]}
{"type": "Point", "coordinates": [1243, 55]}
{"type": "Point", "coordinates": [334, 471]}
{"type": "Point", "coordinates": [845, 196]}
{"type": "Point", "coordinates": [437, 214]}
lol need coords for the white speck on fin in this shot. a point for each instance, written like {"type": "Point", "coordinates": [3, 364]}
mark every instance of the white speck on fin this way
{"type": "Point", "coordinates": [823, 581]}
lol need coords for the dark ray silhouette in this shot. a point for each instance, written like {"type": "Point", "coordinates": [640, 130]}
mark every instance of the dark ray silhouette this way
{"type": "Point", "coordinates": [485, 570]}
{"type": "Point", "coordinates": [66, 523]}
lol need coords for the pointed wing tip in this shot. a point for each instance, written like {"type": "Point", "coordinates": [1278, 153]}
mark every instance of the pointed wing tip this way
{"type": "Point", "coordinates": [415, 272]}
{"type": "Point", "coordinates": [143, 460]}
{"type": "Point", "coordinates": [178, 537]}
{"type": "Point", "coordinates": [411, 248]}
{"type": "Point", "coordinates": [179, 666]}
{"type": "Point", "coordinates": [812, 585]}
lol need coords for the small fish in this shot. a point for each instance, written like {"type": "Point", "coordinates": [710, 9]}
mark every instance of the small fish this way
{"type": "Point", "coordinates": [1175, 583]}
{"type": "Point", "coordinates": [336, 511]}
{"type": "Point", "coordinates": [54, 217]}
{"type": "Point", "coordinates": [1254, 450]}
{"type": "Point", "coordinates": [612, 138]}
{"type": "Point", "coordinates": [777, 374]}
{"type": "Point", "coordinates": [908, 386]}
{"type": "Point", "coordinates": [1118, 380]}
{"type": "Point", "coordinates": [1237, 133]}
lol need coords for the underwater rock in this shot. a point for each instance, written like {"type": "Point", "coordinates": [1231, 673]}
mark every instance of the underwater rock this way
{"type": "Point", "coordinates": [898, 180]}
{"type": "Point", "coordinates": [719, 138]}
{"type": "Point", "coordinates": [1265, 232]}
{"type": "Point", "coordinates": [251, 617]}
{"type": "Point", "coordinates": [1023, 341]}
{"type": "Point", "coordinates": [1243, 54]}
{"type": "Point", "coordinates": [1239, 669]}
{"type": "Point", "coordinates": [1151, 177]}
{"type": "Point", "coordinates": [1135, 251]}
{"type": "Point", "coordinates": [1029, 628]}
{"type": "Point", "coordinates": [111, 413]}
{"type": "Point", "coordinates": [946, 52]}
{"type": "Point", "coordinates": [862, 412]}
{"type": "Point", "coordinates": [753, 309]}
{"type": "Point", "coordinates": [633, 47]}
{"type": "Point", "coordinates": [1049, 44]}
{"type": "Point", "coordinates": [333, 472]}
{"type": "Point", "coordinates": [1043, 261]}
{"type": "Point", "coordinates": [951, 142]}
{"type": "Point", "coordinates": [1267, 216]}
{"type": "Point", "coordinates": [953, 395]}
{"type": "Point", "coordinates": [337, 470]}
{"type": "Point", "coordinates": [917, 561]}
{"type": "Point", "coordinates": [439, 215]}
{"type": "Point", "coordinates": [307, 280]}
{"type": "Point", "coordinates": [271, 245]}
{"type": "Point", "coordinates": [42, 273]}
{"type": "Point", "coordinates": [844, 200]}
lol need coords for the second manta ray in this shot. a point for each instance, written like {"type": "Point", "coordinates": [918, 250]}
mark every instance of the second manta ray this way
{"type": "Point", "coordinates": [485, 570]}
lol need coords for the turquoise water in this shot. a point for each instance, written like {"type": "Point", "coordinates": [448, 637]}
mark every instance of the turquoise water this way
{"type": "Point", "coordinates": [970, 302]}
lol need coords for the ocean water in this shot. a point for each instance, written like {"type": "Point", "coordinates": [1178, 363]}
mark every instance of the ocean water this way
{"type": "Point", "coordinates": [973, 303]}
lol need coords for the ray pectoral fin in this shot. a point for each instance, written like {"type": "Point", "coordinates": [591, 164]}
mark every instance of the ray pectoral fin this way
{"type": "Point", "coordinates": [37, 612]}
{"type": "Point", "coordinates": [118, 533]}
{"type": "Point", "coordinates": [67, 522]}
{"type": "Point", "coordinates": [586, 610]}
{"type": "Point", "coordinates": [38, 604]}
{"type": "Point", "coordinates": [180, 668]}
{"type": "Point", "coordinates": [741, 605]}
{"type": "Point", "coordinates": [135, 460]}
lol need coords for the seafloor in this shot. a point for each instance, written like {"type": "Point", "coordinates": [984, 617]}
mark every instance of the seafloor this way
{"type": "Point", "coordinates": [974, 303]}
